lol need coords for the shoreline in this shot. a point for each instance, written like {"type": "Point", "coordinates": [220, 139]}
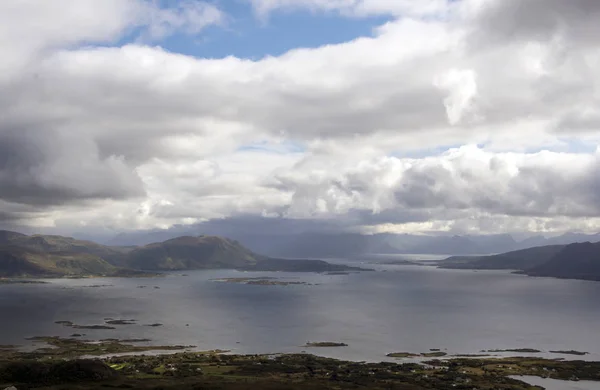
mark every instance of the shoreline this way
{"type": "Point", "coordinates": [179, 369]}
{"type": "Point", "coordinates": [76, 346]}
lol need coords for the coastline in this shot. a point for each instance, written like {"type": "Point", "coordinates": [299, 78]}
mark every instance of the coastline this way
{"type": "Point", "coordinates": [178, 368]}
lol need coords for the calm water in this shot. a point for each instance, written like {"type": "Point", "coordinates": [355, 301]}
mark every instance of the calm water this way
{"type": "Point", "coordinates": [553, 384]}
{"type": "Point", "coordinates": [397, 308]}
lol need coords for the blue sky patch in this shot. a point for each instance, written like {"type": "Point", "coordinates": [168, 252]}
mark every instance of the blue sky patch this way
{"type": "Point", "coordinates": [244, 35]}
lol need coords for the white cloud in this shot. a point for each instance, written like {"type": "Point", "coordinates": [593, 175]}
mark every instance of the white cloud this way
{"type": "Point", "coordinates": [357, 8]}
{"type": "Point", "coordinates": [134, 136]}
{"type": "Point", "coordinates": [31, 28]}
{"type": "Point", "coordinates": [461, 85]}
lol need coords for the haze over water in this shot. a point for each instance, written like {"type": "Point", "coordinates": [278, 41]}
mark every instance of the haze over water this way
{"type": "Point", "coordinates": [397, 308]}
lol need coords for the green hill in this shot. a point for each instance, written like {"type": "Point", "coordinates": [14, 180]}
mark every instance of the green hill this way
{"type": "Point", "coordinates": [21, 262]}
{"type": "Point", "coordinates": [203, 252]}
{"type": "Point", "coordinates": [211, 252]}
{"type": "Point", "coordinates": [54, 256]}
{"type": "Point", "coordinates": [61, 245]}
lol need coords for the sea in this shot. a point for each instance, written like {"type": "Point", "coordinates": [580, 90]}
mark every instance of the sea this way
{"type": "Point", "coordinates": [396, 308]}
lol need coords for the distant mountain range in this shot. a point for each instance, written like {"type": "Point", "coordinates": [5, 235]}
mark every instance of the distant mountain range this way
{"type": "Point", "coordinates": [56, 256]}
{"type": "Point", "coordinates": [344, 245]}
{"type": "Point", "coordinates": [572, 261]}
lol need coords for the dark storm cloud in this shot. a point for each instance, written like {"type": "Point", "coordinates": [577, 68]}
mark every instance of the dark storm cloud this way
{"type": "Point", "coordinates": [44, 167]}
{"type": "Point", "coordinates": [574, 21]}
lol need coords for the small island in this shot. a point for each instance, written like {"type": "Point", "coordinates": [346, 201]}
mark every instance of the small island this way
{"type": "Point", "coordinates": [75, 326]}
{"type": "Point", "coordinates": [70, 347]}
{"type": "Point", "coordinates": [265, 281]}
{"type": "Point", "coordinates": [518, 350]}
{"type": "Point", "coordinates": [570, 352]}
{"type": "Point", "coordinates": [324, 344]}
{"type": "Point", "coordinates": [405, 355]}
{"type": "Point", "coordinates": [21, 281]}
{"type": "Point", "coordinates": [434, 354]}
{"type": "Point", "coordinates": [120, 322]}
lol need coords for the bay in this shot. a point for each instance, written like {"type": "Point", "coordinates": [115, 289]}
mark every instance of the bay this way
{"type": "Point", "coordinates": [398, 308]}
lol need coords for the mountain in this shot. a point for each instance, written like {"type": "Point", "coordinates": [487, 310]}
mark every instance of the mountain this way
{"type": "Point", "coordinates": [54, 256]}
{"type": "Point", "coordinates": [574, 261]}
{"type": "Point", "coordinates": [189, 252]}
{"type": "Point", "coordinates": [23, 262]}
{"type": "Point", "coordinates": [60, 244]}
{"type": "Point", "coordinates": [210, 252]}
{"type": "Point", "coordinates": [517, 260]}
{"type": "Point", "coordinates": [285, 238]}
{"type": "Point", "coordinates": [563, 239]}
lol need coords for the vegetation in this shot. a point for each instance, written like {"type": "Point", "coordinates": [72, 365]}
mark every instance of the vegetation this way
{"type": "Point", "coordinates": [214, 370]}
{"type": "Point", "coordinates": [58, 365]}
{"type": "Point", "coordinates": [56, 256]}
{"type": "Point", "coordinates": [71, 347]}
{"type": "Point", "coordinates": [192, 253]}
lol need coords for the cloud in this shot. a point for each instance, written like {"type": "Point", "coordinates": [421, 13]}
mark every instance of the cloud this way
{"type": "Point", "coordinates": [51, 168]}
{"type": "Point", "coordinates": [537, 20]}
{"type": "Point", "coordinates": [466, 179]}
{"type": "Point", "coordinates": [188, 17]}
{"type": "Point", "coordinates": [377, 132]}
{"type": "Point", "coordinates": [356, 8]}
{"type": "Point", "coordinates": [31, 29]}
{"type": "Point", "coordinates": [461, 85]}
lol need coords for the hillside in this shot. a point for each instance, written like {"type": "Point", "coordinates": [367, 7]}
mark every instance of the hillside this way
{"type": "Point", "coordinates": [55, 256]}
{"type": "Point", "coordinates": [189, 252]}
{"type": "Point", "coordinates": [516, 260]}
{"type": "Point", "coordinates": [574, 261]}
{"type": "Point", "coordinates": [61, 245]}
{"type": "Point", "coordinates": [285, 238]}
{"type": "Point", "coordinates": [210, 252]}
{"type": "Point", "coordinates": [22, 262]}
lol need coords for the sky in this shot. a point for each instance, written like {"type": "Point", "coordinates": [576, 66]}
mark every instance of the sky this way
{"type": "Point", "coordinates": [406, 116]}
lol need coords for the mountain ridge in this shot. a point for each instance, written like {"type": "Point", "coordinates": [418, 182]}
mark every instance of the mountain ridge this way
{"type": "Point", "coordinates": [56, 256]}
{"type": "Point", "coordinates": [314, 244]}
{"type": "Point", "coordinates": [570, 261]}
